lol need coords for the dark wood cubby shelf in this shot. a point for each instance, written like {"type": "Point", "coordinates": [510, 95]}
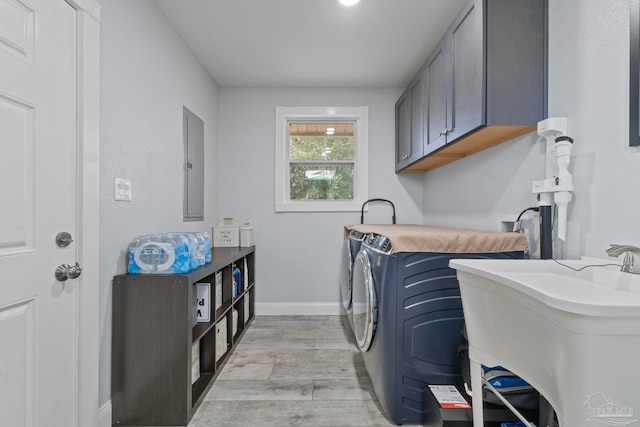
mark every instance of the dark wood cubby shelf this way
{"type": "Point", "coordinates": [153, 338]}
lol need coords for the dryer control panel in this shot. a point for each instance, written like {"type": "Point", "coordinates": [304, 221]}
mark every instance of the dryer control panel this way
{"type": "Point", "coordinates": [379, 242]}
{"type": "Point", "coordinates": [356, 235]}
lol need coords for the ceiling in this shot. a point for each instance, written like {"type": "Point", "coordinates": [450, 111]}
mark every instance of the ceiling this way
{"type": "Point", "coordinates": [311, 43]}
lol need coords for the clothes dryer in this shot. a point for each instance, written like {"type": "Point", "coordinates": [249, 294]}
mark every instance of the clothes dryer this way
{"type": "Point", "coordinates": [350, 249]}
{"type": "Point", "coordinates": [407, 320]}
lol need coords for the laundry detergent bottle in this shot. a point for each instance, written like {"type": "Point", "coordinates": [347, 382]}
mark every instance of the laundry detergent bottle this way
{"type": "Point", "coordinates": [236, 281]}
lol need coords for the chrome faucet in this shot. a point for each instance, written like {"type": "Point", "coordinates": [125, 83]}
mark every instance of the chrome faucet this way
{"type": "Point", "coordinates": [631, 253]}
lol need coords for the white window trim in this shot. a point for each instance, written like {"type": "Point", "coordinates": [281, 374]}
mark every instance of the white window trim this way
{"type": "Point", "coordinates": [361, 172]}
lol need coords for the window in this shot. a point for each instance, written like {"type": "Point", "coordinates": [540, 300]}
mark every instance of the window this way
{"type": "Point", "coordinates": [321, 158]}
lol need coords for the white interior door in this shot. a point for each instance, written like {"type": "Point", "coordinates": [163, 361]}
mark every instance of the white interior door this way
{"type": "Point", "coordinates": [38, 350]}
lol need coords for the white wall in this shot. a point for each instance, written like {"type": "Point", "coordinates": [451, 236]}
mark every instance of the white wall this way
{"type": "Point", "coordinates": [298, 254]}
{"type": "Point", "coordinates": [588, 84]}
{"type": "Point", "coordinates": [147, 75]}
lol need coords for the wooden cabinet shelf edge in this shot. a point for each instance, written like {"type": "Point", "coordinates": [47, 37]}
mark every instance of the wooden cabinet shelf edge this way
{"type": "Point", "coordinates": [154, 337]}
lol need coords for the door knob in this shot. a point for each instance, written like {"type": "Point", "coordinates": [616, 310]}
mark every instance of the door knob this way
{"type": "Point", "coordinates": [66, 271]}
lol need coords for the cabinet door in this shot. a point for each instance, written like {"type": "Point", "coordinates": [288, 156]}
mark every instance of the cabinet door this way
{"type": "Point", "coordinates": [403, 130]}
{"type": "Point", "coordinates": [409, 124]}
{"type": "Point", "coordinates": [435, 99]}
{"type": "Point", "coordinates": [466, 50]}
{"type": "Point", "coordinates": [417, 120]}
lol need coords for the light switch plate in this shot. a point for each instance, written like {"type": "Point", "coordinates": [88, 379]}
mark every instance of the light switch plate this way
{"type": "Point", "coordinates": [122, 190]}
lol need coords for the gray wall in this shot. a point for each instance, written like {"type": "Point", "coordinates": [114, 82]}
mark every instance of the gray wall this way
{"type": "Point", "coordinates": [298, 253]}
{"type": "Point", "coordinates": [147, 75]}
{"type": "Point", "coordinates": [588, 84]}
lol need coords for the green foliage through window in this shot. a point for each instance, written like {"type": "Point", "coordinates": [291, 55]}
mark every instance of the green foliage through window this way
{"type": "Point", "coordinates": [317, 182]}
{"type": "Point", "coordinates": [321, 148]}
{"type": "Point", "coordinates": [321, 167]}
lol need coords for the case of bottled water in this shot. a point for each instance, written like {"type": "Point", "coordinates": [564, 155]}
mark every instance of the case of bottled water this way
{"type": "Point", "coordinates": [168, 253]}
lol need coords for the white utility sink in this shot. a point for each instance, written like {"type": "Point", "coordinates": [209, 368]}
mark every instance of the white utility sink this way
{"type": "Point", "coordinates": [573, 335]}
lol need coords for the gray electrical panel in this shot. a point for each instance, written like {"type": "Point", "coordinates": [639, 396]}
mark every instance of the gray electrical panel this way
{"type": "Point", "coordinates": [193, 166]}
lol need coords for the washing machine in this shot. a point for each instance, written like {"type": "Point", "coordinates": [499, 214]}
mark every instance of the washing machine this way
{"type": "Point", "coordinates": [350, 249]}
{"type": "Point", "coordinates": [407, 319]}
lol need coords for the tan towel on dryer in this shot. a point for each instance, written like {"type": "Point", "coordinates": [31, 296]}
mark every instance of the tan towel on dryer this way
{"type": "Point", "coordinates": [422, 238]}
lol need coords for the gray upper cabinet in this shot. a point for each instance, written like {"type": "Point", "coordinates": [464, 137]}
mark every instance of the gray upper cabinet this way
{"type": "Point", "coordinates": [403, 129]}
{"type": "Point", "coordinates": [436, 94]}
{"type": "Point", "coordinates": [485, 82]}
{"type": "Point", "coordinates": [465, 89]}
{"type": "Point", "coordinates": [455, 103]}
{"type": "Point", "coordinates": [409, 128]}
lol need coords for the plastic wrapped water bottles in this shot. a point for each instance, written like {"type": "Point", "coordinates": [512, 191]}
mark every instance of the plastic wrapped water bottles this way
{"type": "Point", "coordinates": [193, 250]}
{"type": "Point", "coordinates": [168, 253]}
{"type": "Point", "coordinates": [159, 254]}
{"type": "Point", "coordinates": [207, 247]}
{"type": "Point", "coordinates": [203, 253]}
{"type": "Point", "coordinates": [204, 248]}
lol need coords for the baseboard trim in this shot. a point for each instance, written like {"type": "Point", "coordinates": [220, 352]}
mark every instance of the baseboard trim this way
{"type": "Point", "coordinates": [299, 308]}
{"type": "Point", "coordinates": [104, 415]}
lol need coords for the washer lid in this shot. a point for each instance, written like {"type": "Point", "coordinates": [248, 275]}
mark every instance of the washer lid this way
{"type": "Point", "coordinates": [364, 302]}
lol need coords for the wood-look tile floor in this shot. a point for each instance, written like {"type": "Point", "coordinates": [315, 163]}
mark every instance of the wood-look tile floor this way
{"type": "Point", "coordinates": [293, 371]}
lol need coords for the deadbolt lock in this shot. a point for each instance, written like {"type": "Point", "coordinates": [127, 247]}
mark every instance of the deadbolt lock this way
{"type": "Point", "coordinates": [63, 239]}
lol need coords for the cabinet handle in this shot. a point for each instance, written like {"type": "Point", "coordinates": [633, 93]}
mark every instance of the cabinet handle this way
{"type": "Point", "coordinates": [445, 132]}
{"type": "Point", "coordinates": [405, 157]}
